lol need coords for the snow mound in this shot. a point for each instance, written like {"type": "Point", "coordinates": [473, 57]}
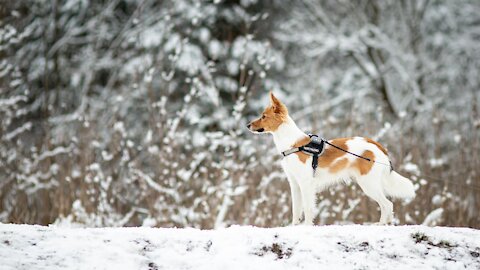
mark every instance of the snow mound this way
{"type": "Point", "coordinates": [240, 247]}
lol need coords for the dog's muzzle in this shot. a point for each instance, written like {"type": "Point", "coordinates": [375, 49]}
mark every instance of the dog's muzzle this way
{"type": "Point", "coordinates": [258, 130]}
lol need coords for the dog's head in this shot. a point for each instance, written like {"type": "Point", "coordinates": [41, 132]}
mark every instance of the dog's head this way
{"type": "Point", "coordinates": [272, 117]}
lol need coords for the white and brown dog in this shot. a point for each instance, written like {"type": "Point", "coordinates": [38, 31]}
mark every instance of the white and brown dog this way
{"type": "Point", "coordinates": [334, 165]}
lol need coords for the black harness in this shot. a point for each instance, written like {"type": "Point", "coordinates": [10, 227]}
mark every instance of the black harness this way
{"type": "Point", "coordinates": [316, 147]}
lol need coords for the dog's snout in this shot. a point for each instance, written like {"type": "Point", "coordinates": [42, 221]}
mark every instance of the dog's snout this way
{"type": "Point", "coordinates": [248, 125]}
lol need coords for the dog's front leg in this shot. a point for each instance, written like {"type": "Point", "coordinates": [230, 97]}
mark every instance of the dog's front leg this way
{"type": "Point", "coordinates": [296, 199]}
{"type": "Point", "coordinates": [308, 200]}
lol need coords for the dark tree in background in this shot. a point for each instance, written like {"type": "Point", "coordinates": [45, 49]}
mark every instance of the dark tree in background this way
{"type": "Point", "coordinates": [123, 112]}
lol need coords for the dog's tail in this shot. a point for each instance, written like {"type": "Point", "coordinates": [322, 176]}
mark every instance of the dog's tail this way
{"type": "Point", "coordinates": [395, 185]}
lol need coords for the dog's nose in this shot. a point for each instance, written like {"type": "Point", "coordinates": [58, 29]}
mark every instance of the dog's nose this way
{"type": "Point", "coordinates": [248, 125]}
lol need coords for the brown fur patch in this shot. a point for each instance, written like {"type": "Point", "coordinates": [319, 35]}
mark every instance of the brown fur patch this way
{"type": "Point", "coordinates": [364, 166]}
{"type": "Point", "coordinates": [378, 145]}
{"type": "Point", "coordinates": [302, 156]}
{"type": "Point", "coordinates": [338, 165]}
{"type": "Point", "coordinates": [331, 153]}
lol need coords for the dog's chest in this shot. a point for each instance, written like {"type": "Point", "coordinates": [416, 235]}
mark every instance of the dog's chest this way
{"type": "Point", "coordinates": [292, 165]}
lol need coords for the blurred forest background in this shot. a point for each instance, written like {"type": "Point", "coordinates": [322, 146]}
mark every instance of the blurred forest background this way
{"type": "Point", "coordinates": [133, 113]}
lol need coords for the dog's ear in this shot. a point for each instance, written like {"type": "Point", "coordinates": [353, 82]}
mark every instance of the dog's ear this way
{"type": "Point", "coordinates": [277, 105]}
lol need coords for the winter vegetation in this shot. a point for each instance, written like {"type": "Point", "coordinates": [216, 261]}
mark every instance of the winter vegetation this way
{"type": "Point", "coordinates": [132, 113]}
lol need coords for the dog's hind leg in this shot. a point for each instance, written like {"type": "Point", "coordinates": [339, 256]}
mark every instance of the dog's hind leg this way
{"type": "Point", "coordinates": [296, 199]}
{"type": "Point", "coordinates": [372, 187]}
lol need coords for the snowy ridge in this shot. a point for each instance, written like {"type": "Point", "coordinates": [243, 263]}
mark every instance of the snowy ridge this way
{"type": "Point", "coordinates": [240, 247]}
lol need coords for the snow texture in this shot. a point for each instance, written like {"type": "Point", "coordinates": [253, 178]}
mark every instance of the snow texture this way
{"type": "Point", "coordinates": [131, 113]}
{"type": "Point", "coordinates": [239, 247]}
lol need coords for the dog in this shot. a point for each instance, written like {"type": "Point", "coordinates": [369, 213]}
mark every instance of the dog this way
{"type": "Point", "coordinates": [334, 165]}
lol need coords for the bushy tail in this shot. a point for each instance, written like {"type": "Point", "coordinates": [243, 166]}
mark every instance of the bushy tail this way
{"type": "Point", "coordinates": [398, 186]}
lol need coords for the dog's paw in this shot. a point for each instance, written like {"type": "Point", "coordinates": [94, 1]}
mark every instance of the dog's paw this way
{"type": "Point", "coordinates": [379, 223]}
{"type": "Point", "coordinates": [382, 223]}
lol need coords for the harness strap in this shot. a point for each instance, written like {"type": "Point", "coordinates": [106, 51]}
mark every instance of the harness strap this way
{"type": "Point", "coordinates": [315, 163]}
{"type": "Point", "coordinates": [291, 151]}
{"type": "Point", "coordinates": [316, 155]}
{"type": "Point", "coordinates": [347, 151]}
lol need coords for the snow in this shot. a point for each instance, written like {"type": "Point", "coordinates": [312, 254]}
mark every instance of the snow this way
{"type": "Point", "coordinates": [434, 217]}
{"type": "Point", "coordinates": [191, 59]}
{"type": "Point", "coordinates": [152, 37]}
{"type": "Point", "coordinates": [151, 183]}
{"type": "Point", "coordinates": [411, 168]}
{"type": "Point", "coordinates": [239, 247]}
{"type": "Point", "coordinates": [215, 49]}
{"type": "Point", "coordinates": [437, 162]}
{"type": "Point", "coordinates": [25, 127]}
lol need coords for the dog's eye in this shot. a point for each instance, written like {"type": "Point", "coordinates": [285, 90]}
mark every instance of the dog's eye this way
{"type": "Point", "coordinates": [263, 116]}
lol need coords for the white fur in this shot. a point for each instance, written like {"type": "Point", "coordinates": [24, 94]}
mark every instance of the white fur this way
{"type": "Point", "coordinates": [377, 183]}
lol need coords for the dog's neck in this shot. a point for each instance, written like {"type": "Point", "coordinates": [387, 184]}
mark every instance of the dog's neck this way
{"type": "Point", "coordinates": [287, 135]}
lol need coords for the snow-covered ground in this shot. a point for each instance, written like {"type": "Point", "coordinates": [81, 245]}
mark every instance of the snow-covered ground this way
{"type": "Point", "coordinates": [240, 247]}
